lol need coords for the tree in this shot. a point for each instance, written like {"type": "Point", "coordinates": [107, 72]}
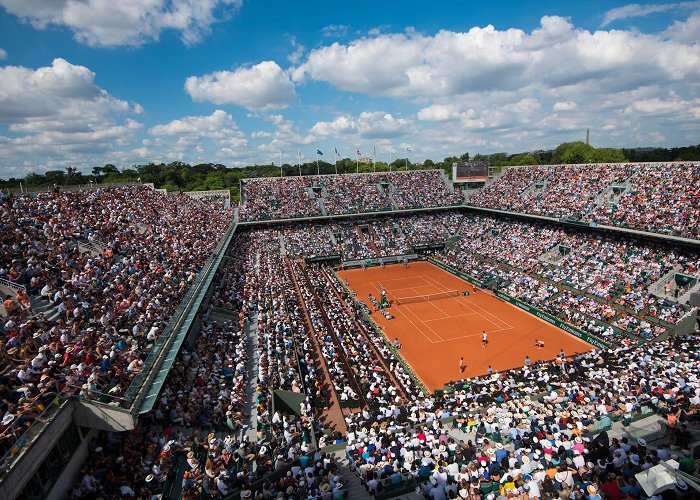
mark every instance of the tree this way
{"type": "Point", "coordinates": [573, 152]}
{"type": "Point", "coordinates": [580, 152]}
{"type": "Point", "coordinates": [522, 159]}
{"type": "Point", "coordinates": [55, 177]}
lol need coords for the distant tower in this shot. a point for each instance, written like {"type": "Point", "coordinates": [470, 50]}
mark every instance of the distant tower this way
{"type": "Point", "coordinates": [588, 135]}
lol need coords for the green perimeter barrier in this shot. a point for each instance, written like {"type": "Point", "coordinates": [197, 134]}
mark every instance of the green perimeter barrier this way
{"type": "Point", "coordinates": [594, 341]}
{"type": "Point", "coordinates": [459, 274]}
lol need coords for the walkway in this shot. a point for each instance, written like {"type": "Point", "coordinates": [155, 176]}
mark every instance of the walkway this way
{"type": "Point", "coordinates": [251, 331]}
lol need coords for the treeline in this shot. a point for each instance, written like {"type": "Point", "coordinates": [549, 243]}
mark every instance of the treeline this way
{"type": "Point", "coordinates": [178, 176]}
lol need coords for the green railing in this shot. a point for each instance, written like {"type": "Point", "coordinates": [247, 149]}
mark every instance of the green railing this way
{"type": "Point", "coordinates": [28, 437]}
{"type": "Point", "coordinates": [594, 341]}
{"type": "Point", "coordinates": [182, 318]}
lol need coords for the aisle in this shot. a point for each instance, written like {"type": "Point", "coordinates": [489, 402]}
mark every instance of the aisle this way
{"type": "Point", "coordinates": [251, 331]}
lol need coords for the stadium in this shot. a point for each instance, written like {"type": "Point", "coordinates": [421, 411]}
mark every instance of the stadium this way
{"type": "Point", "coordinates": [355, 335]}
{"type": "Point", "coordinates": [260, 249]}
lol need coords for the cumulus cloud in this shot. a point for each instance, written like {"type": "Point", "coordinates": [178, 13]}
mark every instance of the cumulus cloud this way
{"type": "Point", "coordinates": [637, 10]}
{"type": "Point", "coordinates": [439, 113]}
{"type": "Point", "coordinates": [449, 63]}
{"type": "Point", "coordinates": [685, 31]}
{"type": "Point", "coordinates": [564, 106]}
{"type": "Point", "coordinates": [368, 125]}
{"type": "Point", "coordinates": [658, 106]}
{"type": "Point", "coordinates": [263, 86]}
{"type": "Point", "coordinates": [59, 112]}
{"type": "Point", "coordinates": [124, 22]}
{"type": "Point", "coordinates": [286, 135]}
{"type": "Point", "coordinates": [185, 134]}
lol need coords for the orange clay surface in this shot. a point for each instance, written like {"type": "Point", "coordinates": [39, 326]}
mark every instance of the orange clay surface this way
{"type": "Point", "coordinates": [435, 334]}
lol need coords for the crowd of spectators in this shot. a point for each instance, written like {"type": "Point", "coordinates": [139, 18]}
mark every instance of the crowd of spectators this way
{"type": "Point", "coordinates": [108, 303]}
{"type": "Point", "coordinates": [658, 198]}
{"type": "Point", "coordinates": [278, 198]}
{"type": "Point", "coordinates": [504, 442]}
{"type": "Point", "coordinates": [421, 189]}
{"type": "Point", "coordinates": [295, 197]}
{"type": "Point", "coordinates": [526, 433]}
{"type": "Point", "coordinates": [355, 243]}
{"type": "Point", "coordinates": [354, 193]}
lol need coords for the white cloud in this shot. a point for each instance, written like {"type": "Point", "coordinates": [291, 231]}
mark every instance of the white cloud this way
{"type": "Point", "coordinates": [3, 54]}
{"type": "Point", "coordinates": [58, 113]}
{"type": "Point", "coordinates": [263, 86]}
{"type": "Point", "coordinates": [556, 54]}
{"type": "Point", "coordinates": [657, 106]}
{"type": "Point", "coordinates": [637, 10]}
{"type": "Point", "coordinates": [184, 135]}
{"type": "Point", "coordinates": [439, 113]}
{"type": "Point", "coordinates": [685, 31]}
{"type": "Point", "coordinates": [564, 106]}
{"type": "Point", "coordinates": [123, 22]}
{"type": "Point", "coordinates": [335, 31]}
{"type": "Point", "coordinates": [298, 52]}
{"type": "Point", "coordinates": [368, 125]}
{"type": "Point", "coordinates": [285, 136]}
{"type": "Point", "coordinates": [217, 124]}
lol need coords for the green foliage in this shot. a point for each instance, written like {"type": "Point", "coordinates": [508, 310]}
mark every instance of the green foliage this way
{"type": "Point", "coordinates": [580, 152]}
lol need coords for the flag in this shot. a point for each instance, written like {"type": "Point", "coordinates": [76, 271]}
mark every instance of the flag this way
{"type": "Point", "coordinates": [319, 152]}
{"type": "Point", "coordinates": [408, 149]}
{"type": "Point", "coordinates": [374, 148]}
{"type": "Point", "coordinates": [336, 152]}
{"type": "Point", "coordinates": [358, 152]}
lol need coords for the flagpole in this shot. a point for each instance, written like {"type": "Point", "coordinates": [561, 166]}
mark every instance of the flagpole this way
{"type": "Point", "coordinates": [374, 158]}
{"type": "Point", "coordinates": [318, 169]}
{"type": "Point", "coordinates": [281, 173]}
{"type": "Point", "coordinates": [299, 155]}
{"type": "Point", "coordinates": [390, 151]}
{"type": "Point", "coordinates": [336, 164]}
{"type": "Point", "coordinates": [407, 159]}
{"type": "Point", "coordinates": [357, 159]}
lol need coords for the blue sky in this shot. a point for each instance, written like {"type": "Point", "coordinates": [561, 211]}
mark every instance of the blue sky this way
{"type": "Point", "coordinates": [88, 82]}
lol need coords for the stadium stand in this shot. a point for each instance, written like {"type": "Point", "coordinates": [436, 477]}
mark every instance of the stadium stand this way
{"type": "Point", "coordinates": [294, 197]}
{"type": "Point", "coordinates": [659, 198]}
{"type": "Point", "coordinates": [284, 387]}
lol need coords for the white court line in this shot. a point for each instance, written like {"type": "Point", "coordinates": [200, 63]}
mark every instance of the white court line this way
{"type": "Point", "coordinates": [438, 284]}
{"type": "Point", "coordinates": [421, 320]}
{"type": "Point", "coordinates": [410, 321]}
{"type": "Point", "coordinates": [453, 316]}
{"type": "Point", "coordinates": [473, 335]}
{"type": "Point", "coordinates": [432, 304]}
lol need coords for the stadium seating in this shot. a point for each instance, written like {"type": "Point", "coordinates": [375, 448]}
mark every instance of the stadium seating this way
{"type": "Point", "coordinates": [658, 198]}
{"type": "Point", "coordinates": [111, 265]}
{"type": "Point", "coordinates": [294, 197]}
{"type": "Point", "coordinates": [103, 271]}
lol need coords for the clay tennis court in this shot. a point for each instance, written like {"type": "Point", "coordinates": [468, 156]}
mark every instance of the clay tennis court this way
{"type": "Point", "coordinates": [435, 333]}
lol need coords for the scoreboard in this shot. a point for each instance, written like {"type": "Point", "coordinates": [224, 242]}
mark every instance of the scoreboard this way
{"type": "Point", "coordinates": [470, 172]}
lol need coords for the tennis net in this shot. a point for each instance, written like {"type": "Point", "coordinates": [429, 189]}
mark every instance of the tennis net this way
{"type": "Point", "coordinates": [425, 298]}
